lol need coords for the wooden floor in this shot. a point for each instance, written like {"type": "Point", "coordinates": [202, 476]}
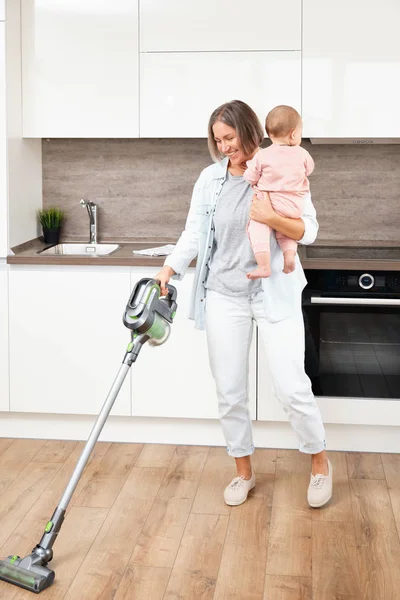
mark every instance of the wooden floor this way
{"type": "Point", "coordinates": [149, 522]}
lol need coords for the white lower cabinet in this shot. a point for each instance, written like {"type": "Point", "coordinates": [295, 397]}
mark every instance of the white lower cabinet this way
{"type": "Point", "coordinates": [4, 390]}
{"type": "Point", "coordinates": [67, 339]}
{"type": "Point", "coordinates": [174, 380]}
{"type": "Point", "coordinates": [180, 90]}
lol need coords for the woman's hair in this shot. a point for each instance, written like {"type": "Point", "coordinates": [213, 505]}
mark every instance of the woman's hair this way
{"type": "Point", "coordinates": [281, 120]}
{"type": "Point", "coordinates": [243, 119]}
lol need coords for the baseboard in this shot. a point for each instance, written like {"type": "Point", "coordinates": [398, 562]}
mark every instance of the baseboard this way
{"type": "Point", "coordinates": [355, 438]}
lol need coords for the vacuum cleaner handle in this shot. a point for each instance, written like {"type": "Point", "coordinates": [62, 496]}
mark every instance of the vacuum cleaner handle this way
{"type": "Point", "coordinates": [172, 293]}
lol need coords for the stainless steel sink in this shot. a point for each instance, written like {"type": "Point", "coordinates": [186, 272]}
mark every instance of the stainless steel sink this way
{"type": "Point", "coordinates": [80, 249]}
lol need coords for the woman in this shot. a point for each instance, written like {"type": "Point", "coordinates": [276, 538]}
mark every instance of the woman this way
{"type": "Point", "coordinates": [226, 302]}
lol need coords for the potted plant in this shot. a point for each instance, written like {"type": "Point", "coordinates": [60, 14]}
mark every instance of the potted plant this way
{"type": "Point", "coordinates": [50, 220]}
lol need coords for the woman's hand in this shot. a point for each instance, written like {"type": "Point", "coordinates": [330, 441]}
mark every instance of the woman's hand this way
{"type": "Point", "coordinates": [262, 211]}
{"type": "Point", "coordinates": [163, 277]}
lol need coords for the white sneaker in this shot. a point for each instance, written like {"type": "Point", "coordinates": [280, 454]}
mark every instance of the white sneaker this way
{"type": "Point", "coordinates": [237, 490]}
{"type": "Point", "coordinates": [320, 488]}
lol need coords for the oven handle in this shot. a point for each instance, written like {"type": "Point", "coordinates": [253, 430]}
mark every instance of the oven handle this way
{"type": "Point", "coordinates": [356, 301]}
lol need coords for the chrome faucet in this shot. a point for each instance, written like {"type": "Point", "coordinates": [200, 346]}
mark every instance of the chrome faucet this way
{"type": "Point", "coordinates": [92, 212]}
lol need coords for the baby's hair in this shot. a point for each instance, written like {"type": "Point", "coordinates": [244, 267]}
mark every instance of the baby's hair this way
{"type": "Point", "coordinates": [281, 120]}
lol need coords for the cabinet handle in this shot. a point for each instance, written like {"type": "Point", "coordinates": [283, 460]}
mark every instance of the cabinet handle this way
{"type": "Point", "coordinates": [356, 301]}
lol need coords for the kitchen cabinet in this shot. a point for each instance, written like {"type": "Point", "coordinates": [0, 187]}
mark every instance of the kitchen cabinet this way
{"type": "Point", "coordinates": [226, 25]}
{"type": "Point", "coordinates": [351, 69]}
{"type": "Point", "coordinates": [3, 147]}
{"type": "Point", "coordinates": [80, 68]}
{"type": "Point", "coordinates": [174, 380]}
{"type": "Point", "coordinates": [67, 340]}
{"type": "Point", "coordinates": [4, 376]}
{"type": "Point", "coordinates": [179, 91]}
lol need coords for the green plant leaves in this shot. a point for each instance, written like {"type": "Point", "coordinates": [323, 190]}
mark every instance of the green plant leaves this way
{"type": "Point", "coordinates": [51, 218]}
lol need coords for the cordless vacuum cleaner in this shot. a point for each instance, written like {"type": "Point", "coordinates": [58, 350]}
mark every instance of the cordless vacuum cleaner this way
{"type": "Point", "coordinates": [148, 316]}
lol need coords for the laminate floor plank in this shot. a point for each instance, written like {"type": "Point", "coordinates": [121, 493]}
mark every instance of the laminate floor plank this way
{"type": "Point", "coordinates": [391, 467]}
{"type": "Point", "coordinates": [365, 465]}
{"type": "Point", "coordinates": [14, 459]}
{"type": "Point", "coordinates": [196, 567]}
{"type": "Point", "coordinates": [290, 543]}
{"type": "Point", "coordinates": [377, 540]}
{"type": "Point", "coordinates": [107, 480]}
{"type": "Point", "coordinates": [284, 587]}
{"type": "Point", "coordinates": [335, 571]}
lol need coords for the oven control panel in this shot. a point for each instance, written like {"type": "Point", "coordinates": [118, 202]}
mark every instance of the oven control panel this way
{"type": "Point", "coordinates": [375, 282]}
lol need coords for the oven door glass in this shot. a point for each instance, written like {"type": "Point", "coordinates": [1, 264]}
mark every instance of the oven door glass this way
{"type": "Point", "coordinates": [359, 352]}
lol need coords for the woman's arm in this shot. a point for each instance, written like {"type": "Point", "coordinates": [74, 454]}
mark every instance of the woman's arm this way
{"type": "Point", "coordinates": [302, 230]}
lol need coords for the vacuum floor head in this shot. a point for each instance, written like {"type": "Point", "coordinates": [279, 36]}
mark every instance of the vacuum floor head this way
{"type": "Point", "coordinates": [28, 579]}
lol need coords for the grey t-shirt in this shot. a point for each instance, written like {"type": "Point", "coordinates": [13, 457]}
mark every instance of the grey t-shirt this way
{"type": "Point", "coordinates": [232, 256]}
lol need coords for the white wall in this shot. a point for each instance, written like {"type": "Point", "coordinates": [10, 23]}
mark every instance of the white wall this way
{"type": "Point", "coordinates": [24, 156]}
{"type": "Point", "coordinates": [3, 148]}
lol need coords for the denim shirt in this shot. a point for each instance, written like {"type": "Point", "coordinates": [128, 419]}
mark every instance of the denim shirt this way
{"type": "Point", "coordinates": [282, 292]}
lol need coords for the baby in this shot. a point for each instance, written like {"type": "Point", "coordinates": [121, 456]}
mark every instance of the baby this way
{"type": "Point", "coordinates": [282, 170]}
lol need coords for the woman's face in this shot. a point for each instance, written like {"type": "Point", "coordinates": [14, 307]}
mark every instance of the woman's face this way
{"type": "Point", "coordinates": [228, 143]}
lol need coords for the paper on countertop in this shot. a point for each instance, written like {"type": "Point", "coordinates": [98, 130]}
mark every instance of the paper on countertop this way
{"type": "Point", "coordinates": [158, 251]}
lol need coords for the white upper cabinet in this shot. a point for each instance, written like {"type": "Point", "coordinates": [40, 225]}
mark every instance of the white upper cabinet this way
{"type": "Point", "coordinates": [179, 91]}
{"type": "Point", "coordinates": [3, 147]}
{"type": "Point", "coordinates": [80, 68]}
{"type": "Point", "coordinates": [219, 25]}
{"type": "Point", "coordinates": [351, 68]}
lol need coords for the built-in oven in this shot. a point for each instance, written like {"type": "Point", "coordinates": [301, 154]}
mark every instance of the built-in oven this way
{"type": "Point", "coordinates": [353, 323]}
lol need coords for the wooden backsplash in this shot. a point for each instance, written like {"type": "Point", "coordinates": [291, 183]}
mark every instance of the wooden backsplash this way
{"type": "Point", "coordinates": [143, 187]}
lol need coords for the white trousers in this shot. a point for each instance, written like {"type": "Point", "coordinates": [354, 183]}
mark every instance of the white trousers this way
{"type": "Point", "coordinates": [229, 328]}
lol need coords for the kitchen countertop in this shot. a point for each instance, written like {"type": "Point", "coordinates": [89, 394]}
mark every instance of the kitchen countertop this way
{"type": "Point", "coordinates": [338, 254]}
{"type": "Point", "coordinates": [26, 254]}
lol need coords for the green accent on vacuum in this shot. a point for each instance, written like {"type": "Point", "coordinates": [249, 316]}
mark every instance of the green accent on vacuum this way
{"type": "Point", "coordinates": [21, 576]}
{"type": "Point", "coordinates": [13, 558]}
{"type": "Point", "coordinates": [130, 346]}
{"type": "Point", "coordinates": [49, 527]}
{"type": "Point", "coordinates": [159, 329]}
{"type": "Point", "coordinates": [173, 315]}
{"type": "Point", "coordinates": [133, 318]}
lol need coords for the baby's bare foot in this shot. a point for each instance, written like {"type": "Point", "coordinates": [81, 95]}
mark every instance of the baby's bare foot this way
{"type": "Point", "coordinates": [259, 273]}
{"type": "Point", "coordinates": [289, 264]}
